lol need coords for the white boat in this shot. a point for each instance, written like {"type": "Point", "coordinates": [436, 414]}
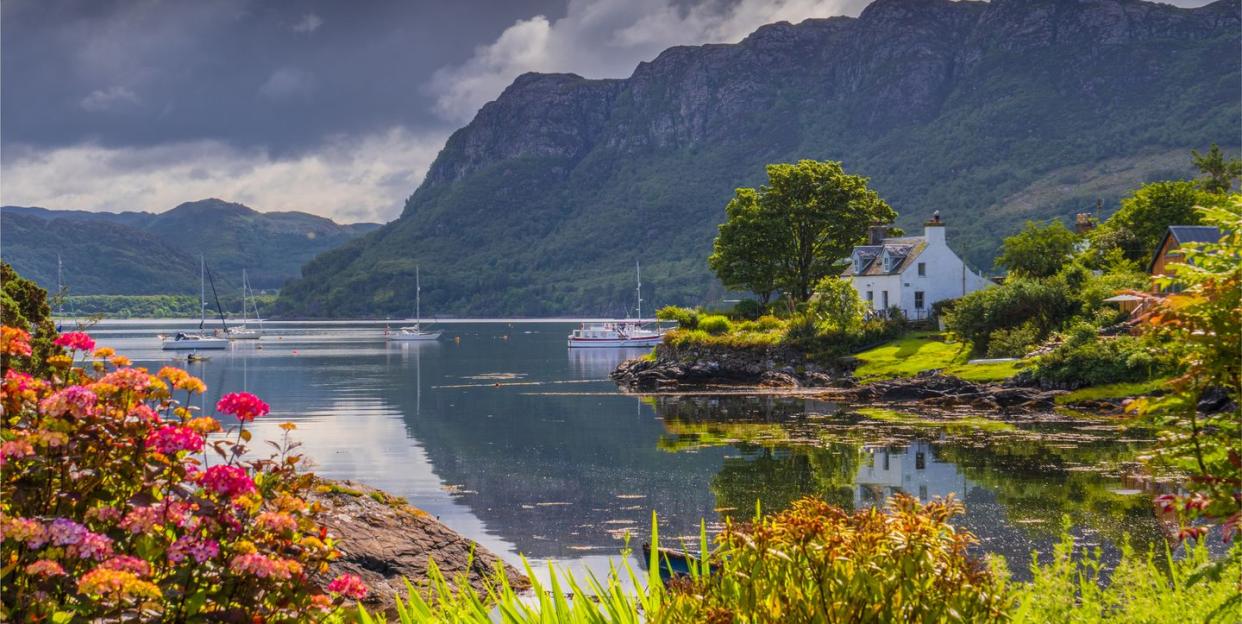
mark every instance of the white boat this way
{"type": "Point", "coordinates": [187, 341]}
{"type": "Point", "coordinates": [415, 332]}
{"type": "Point", "coordinates": [244, 331]}
{"type": "Point", "coordinates": [619, 334]}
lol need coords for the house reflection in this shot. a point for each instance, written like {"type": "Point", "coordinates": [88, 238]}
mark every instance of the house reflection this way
{"type": "Point", "coordinates": [912, 469]}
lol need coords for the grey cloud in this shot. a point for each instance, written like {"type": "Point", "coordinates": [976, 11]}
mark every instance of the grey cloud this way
{"type": "Point", "coordinates": [110, 99]}
{"type": "Point", "coordinates": [309, 23]}
{"type": "Point", "coordinates": [288, 82]}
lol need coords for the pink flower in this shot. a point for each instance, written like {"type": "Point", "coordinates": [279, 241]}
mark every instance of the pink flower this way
{"type": "Point", "coordinates": [277, 522]}
{"type": "Point", "coordinates": [227, 481]}
{"type": "Point", "coordinates": [1191, 532]}
{"type": "Point", "coordinates": [74, 400]}
{"type": "Point", "coordinates": [79, 540]}
{"type": "Point", "coordinates": [32, 532]}
{"type": "Point", "coordinates": [15, 448]}
{"type": "Point", "coordinates": [141, 520]}
{"type": "Point", "coordinates": [136, 379]}
{"type": "Point", "coordinates": [198, 549]}
{"type": "Point", "coordinates": [78, 341]}
{"type": "Point", "coordinates": [1166, 502]}
{"type": "Point", "coordinates": [243, 405]}
{"type": "Point", "coordinates": [126, 563]}
{"type": "Point", "coordinates": [143, 412]}
{"type": "Point", "coordinates": [265, 567]}
{"type": "Point", "coordinates": [45, 568]}
{"type": "Point", "coordinates": [348, 585]}
{"type": "Point", "coordinates": [170, 439]}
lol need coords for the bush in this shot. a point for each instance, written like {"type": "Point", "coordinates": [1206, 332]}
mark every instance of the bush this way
{"type": "Point", "coordinates": [686, 318]}
{"type": "Point", "coordinates": [715, 324]}
{"type": "Point", "coordinates": [1015, 342]}
{"type": "Point", "coordinates": [748, 309]}
{"type": "Point", "coordinates": [836, 306]}
{"type": "Point", "coordinates": [1086, 359]}
{"type": "Point", "coordinates": [1045, 305]}
{"type": "Point", "coordinates": [110, 511]}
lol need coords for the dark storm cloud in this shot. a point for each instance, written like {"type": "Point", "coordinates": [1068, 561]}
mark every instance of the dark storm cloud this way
{"type": "Point", "coordinates": [278, 74]}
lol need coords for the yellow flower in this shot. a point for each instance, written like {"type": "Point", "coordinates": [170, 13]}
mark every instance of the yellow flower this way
{"type": "Point", "coordinates": [120, 360]}
{"type": "Point", "coordinates": [288, 426]}
{"type": "Point", "coordinates": [244, 547]}
{"type": "Point", "coordinates": [204, 425]}
{"type": "Point", "coordinates": [104, 353]}
{"type": "Point", "coordinates": [59, 361]}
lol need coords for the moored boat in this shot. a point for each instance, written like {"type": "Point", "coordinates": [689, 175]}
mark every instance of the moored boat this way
{"type": "Point", "coordinates": [187, 341]}
{"type": "Point", "coordinates": [619, 334]}
{"type": "Point", "coordinates": [415, 332]}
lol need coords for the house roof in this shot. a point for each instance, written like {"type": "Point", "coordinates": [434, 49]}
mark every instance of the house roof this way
{"type": "Point", "coordinates": [1185, 234]}
{"type": "Point", "coordinates": [905, 250]}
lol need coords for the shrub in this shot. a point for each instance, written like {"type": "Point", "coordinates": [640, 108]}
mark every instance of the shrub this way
{"type": "Point", "coordinates": [1046, 305]}
{"type": "Point", "coordinates": [1015, 342]}
{"type": "Point", "coordinates": [715, 324]}
{"type": "Point", "coordinates": [111, 510]}
{"type": "Point", "coordinates": [836, 306]}
{"type": "Point", "coordinates": [748, 309]}
{"type": "Point", "coordinates": [686, 318]}
{"type": "Point", "coordinates": [1086, 359]}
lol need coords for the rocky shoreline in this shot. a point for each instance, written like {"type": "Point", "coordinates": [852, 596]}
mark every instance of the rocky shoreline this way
{"type": "Point", "coordinates": [385, 541]}
{"type": "Point", "coordinates": [671, 369]}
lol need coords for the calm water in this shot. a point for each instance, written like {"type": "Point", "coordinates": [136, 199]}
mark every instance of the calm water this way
{"type": "Point", "coordinates": [527, 447]}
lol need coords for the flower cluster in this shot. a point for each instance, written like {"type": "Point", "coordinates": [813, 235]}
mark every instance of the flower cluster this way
{"type": "Point", "coordinates": [77, 341]}
{"type": "Point", "coordinates": [113, 506]}
{"type": "Point", "coordinates": [243, 406]}
{"type": "Point", "coordinates": [348, 585]}
{"type": "Point", "coordinates": [171, 439]}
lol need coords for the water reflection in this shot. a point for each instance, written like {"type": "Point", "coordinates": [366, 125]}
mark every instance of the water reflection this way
{"type": "Point", "coordinates": [518, 442]}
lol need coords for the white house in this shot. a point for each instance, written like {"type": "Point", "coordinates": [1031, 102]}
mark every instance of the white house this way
{"type": "Point", "coordinates": [911, 272]}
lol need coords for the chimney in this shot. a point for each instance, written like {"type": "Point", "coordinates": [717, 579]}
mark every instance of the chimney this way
{"type": "Point", "coordinates": [933, 229]}
{"type": "Point", "coordinates": [876, 234]}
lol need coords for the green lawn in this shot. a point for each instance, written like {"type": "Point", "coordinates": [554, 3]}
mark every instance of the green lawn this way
{"type": "Point", "coordinates": [1112, 391]}
{"type": "Point", "coordinates": [922, 351]}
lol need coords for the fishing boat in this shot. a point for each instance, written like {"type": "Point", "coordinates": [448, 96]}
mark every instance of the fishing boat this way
{"type": "Point", "coordinates": [189, 341]}
{"type": "Point", "coordinates": [244, 331]}
{"type": "Point", "coordinates": [415, 332]}
{"type": "Point", "coordinates": [672, 562]}
{"type": "Point", "coordinates": [619, 334]}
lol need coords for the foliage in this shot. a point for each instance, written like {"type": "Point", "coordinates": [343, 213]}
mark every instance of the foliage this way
{"type": "Point", "coordinates": [23, 305]}
{"type": "Point", "coordinates": [1037, 251]}
{"type": "Point", "coordinates": [1199, 324]}
{"type": "Point", "coordinates": [743, 255]}
{"type": "Point", "coordinates": [1087, 359]}
{"type": "Point", "coordinates": [159, 306]}
{"type": "Point", "coordinates": [715, 324]}
{"type": "Point", "coordinates": [1144, 217]}
{"type": "Point", "coordinates": [1113, 391]}
{"type": "Point", "coordinates": [112, 508]}
{"type": "Point", "coordinates": [836, 306]}
{"type": "Point", "coordinates": [748, 309]}
{"type": "Point", "coordinates": [1219, 173]}
{"type": "Point", "coordinates": [1013, 342]}
{"type": "Point", "coordinates": [1045, 305]}
{"type": "Point", "coordinates": [686, 318]}
{"type": "Point", "coordinates": [1142, 588]}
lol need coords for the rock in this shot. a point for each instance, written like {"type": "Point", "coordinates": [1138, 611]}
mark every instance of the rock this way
{"type": "Point", "coordinates": [948, 391]}
{"type": "Point", "coordinates": [384, 540]}
{"type": "Point", "coordinates": [777, 367]}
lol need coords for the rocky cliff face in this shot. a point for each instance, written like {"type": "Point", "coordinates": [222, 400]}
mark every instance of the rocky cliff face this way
{"type": "Point", "coordinates": [553, 189]}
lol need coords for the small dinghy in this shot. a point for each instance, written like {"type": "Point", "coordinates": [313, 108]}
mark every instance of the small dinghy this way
{"type": "Point", "coordinates": [673, 563]}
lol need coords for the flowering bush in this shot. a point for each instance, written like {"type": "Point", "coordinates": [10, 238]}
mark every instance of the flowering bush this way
{"type": "Point", "coordinates": [117, 500]}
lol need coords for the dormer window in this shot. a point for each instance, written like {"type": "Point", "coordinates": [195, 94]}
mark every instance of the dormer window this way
{"type": "Point", "coordinates": [859, 263]}
{"type": "Point", "coordinates": [889, 262]}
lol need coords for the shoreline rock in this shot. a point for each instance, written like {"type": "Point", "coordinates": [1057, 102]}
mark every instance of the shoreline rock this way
{"type": "Point", "coordinates": [770, 367]}
{"type": "Point", "coordinates": [939, 390]}
{"type": "Point", "coordinates": [385, 540]}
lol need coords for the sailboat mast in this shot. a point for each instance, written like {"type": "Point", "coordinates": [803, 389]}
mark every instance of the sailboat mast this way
{"type": "Point", "coordinates": [418, 299]}
{"type": "Point", "coordinates": [243, 297]}
{"type": "Point", "coordinates": [202, 291]}
{"type": "Point", "coordinates": [638, 274]}
{"type": "Point", "coordinates": [60, 288]}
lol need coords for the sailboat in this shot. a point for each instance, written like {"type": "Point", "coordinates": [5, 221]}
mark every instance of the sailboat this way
{"type": "Point", "coordinates": [628, 333]}
{"type": "Point", "coordinates": [245, 332]}
{"type": "Point", "coordinates": [415, 332]}
{"type": "Point", "coordinates": [187, 341]}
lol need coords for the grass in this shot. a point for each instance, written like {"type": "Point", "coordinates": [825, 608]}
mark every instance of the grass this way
{"type": "Point", "coordinates": [924, 351]}
{"type": "Point", "coordinates": [1112, 391]}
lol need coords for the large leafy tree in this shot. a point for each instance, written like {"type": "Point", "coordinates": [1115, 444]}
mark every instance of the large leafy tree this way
{"type": "Point", "coordinates": [1219, 172]}
{"type": "Point", "coordinates": [808, 216]}
{"type": "Point", "coordinates": [1038, 251]}
{"type": "Point", "coordinates": [742, 255]}
{"type": "Point", "coordinates": [1144, 217]}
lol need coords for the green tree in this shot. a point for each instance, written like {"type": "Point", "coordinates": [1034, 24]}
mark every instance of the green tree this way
{"type": "Point", "coordinates": [811, 215]}
{"type": "Point", "coordinates": [836, 305]}
{"type": "Point", "coordinates": [1038, 251]}
{"type": "Point", "coordinates": [1219, 172]}
{"type": "Point", "coordinates": [23, 304]}
{"type": "Point", "coordinates": [1137, 227]}
{"type": "Point", "coordinates": [742, 254]}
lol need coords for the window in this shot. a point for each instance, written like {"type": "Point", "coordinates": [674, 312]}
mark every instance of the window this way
{"type": "Point", "coordinates": [858, 263]}
{"type": "Point", "coordinates": [870, 296]}
{"type": "Point", "coordinates": [888, 263]}
{"type": "Point", "coordinates": [922, 269]}
{"type": "Point", "coordinates": [920, 461]}
{"type": "Point", "coordinates": [918, 300]}
{"type": "Point", "coordinates": [884, 298]}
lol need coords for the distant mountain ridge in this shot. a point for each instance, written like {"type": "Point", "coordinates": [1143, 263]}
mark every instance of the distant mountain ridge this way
{"type": "Point", "coordinates": [157, 253]}
{"type": "Point", "coordinates": [990, 112]}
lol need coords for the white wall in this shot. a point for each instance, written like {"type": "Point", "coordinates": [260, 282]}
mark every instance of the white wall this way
{"type": "Point", "coordinates": [947, 278]}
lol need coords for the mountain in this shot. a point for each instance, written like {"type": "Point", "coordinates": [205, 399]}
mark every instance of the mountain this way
{"type": "Point", "coordinates": [143, 253]}
{"type": "Point", "coordinates": [991, 113]}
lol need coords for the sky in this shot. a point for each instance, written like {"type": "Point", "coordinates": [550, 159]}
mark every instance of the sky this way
{"type": "Point", "coordinates": [331, 107]}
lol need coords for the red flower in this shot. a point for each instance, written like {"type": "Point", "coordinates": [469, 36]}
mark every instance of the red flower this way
{"type": "Point", "coordinates": [227, 481]}
{"type": "Point", "coordinates": [169, 439]}
{"type": "Point", "coordinates": [348, 585]}
{"type": "Point", "coordinates": [243, 405]}
{"type": "Point", "coordinates": [1191, 532]}
{"type": "Point", "coordinates": [1166, 502]}
{"type": "Point", "coordinates": [78, 341]}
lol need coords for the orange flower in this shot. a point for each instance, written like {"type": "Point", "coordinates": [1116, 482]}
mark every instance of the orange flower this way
{"type": "Point", "coordinates": [14, 341]}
